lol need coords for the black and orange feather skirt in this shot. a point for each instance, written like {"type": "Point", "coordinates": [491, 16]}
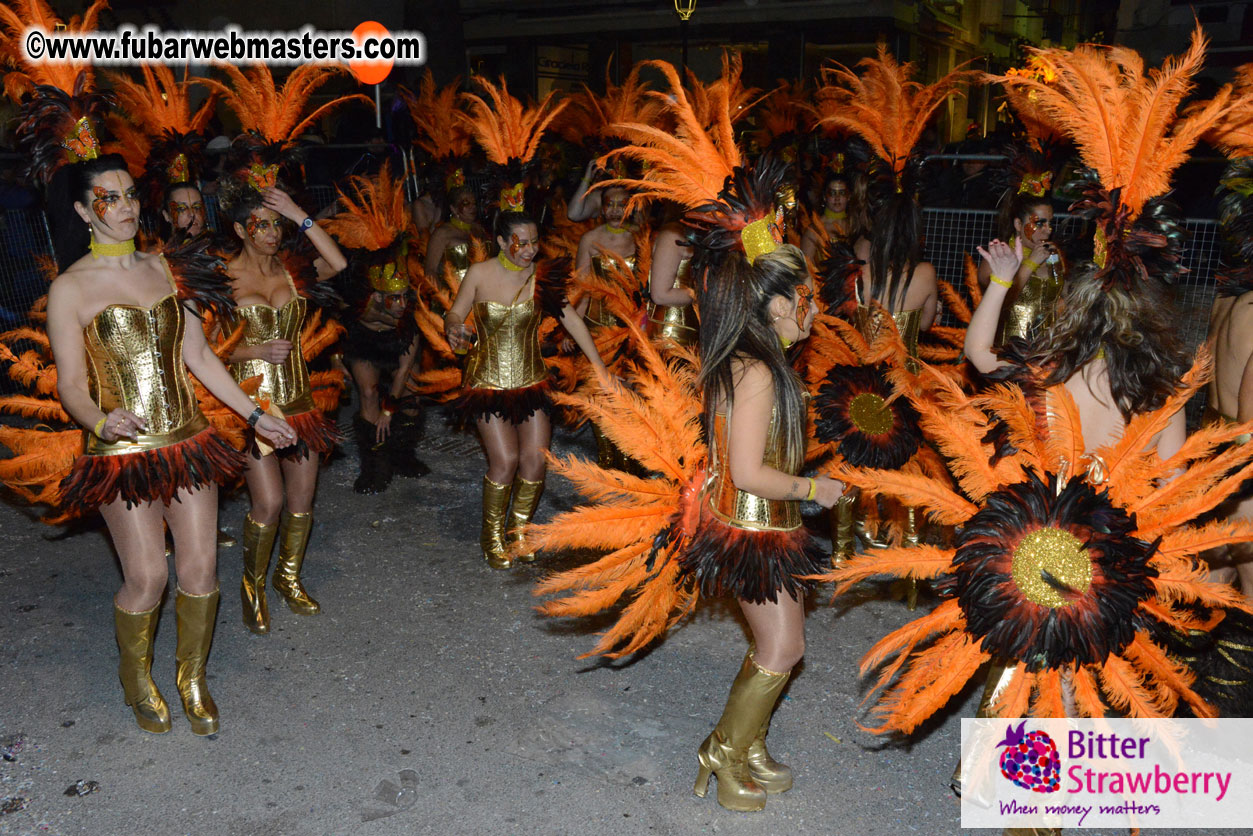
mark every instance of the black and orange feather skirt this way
{"type": "Point", "coordinates": [747, 564]}
{"type": "Point", "coordinates": [156, 474]}
{"type": "Point", "coordinates": [315, 433]}
{"type": "Point", "coordinates": [513, 405]}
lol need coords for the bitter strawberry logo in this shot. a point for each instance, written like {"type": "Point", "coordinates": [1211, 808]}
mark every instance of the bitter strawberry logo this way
{"type": "Point", "coordinates": [1030, 759]}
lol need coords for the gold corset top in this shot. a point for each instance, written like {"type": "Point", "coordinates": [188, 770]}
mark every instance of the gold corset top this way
{"type": "Point", "coordinates": [739, 508]}
{"type": "Point", "coordinates": [458, 255]}
{"type": "Point", "coordinates": [507, 354]}
{"type": "Point", "coordinates": [908, 323]}
{"type": "Point", "coordinates": [135, 362]}
{"type": "Point", "coordinates": [597, 313]}
{"type": "Point", "coordinates": [1033, 306]}
{"type": "Point", "coordinates": [677, 323]}
{"type": "Point", "coordinates": [285, 384]}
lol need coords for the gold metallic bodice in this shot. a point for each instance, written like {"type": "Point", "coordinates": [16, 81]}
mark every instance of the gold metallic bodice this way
{"type": "Point", "coordinates": [135, 362]}
{"type": "Point", "coordinates": [744, 510]}
{"type": "Point", "coordinates": [908, 323]}
{"type": "Point", "coordinates": [286, 384]}
{"type": "Point", "coordinates": [676, 323]}
{"type": "Point", "coordinates": [507, 354]}
{"type": "Point", "coordinates": [458, 255]}
{"type": "Point", "coordinates": [597, 314]}
{"type": "Point", "coordinates": [1033, 307]}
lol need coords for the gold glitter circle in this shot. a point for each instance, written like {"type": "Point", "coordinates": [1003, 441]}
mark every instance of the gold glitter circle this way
{"type": "Point", "coordinates": [1057, 552]}
{"type": "Point", "coordinates": [870, 414]}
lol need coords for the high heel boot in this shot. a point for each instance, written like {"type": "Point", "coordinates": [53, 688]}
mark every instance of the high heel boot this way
{"type": "Point", "coordinates": [725, 752]}
{"type": "Point", "coordinates": [1000, 676]}
{"type": "Point", "coordinates": [258, 544]}
{"type": "Point", "coordinates": [772, 776]}
{"type": "Point", "coordinates": [492, 537]}
{"type": "Point", "coordinates": [526, 496]}
{"type": "Point", "coordinates": [911, 539]}
{"type": "Point", "coordinates": [293, 539]}
{"type": "Point", "coordinates": [135, 631]}
{"type": "Point", "coordinates": [842, 532]}
{"type": "Point", "coordinates": [195, 615]}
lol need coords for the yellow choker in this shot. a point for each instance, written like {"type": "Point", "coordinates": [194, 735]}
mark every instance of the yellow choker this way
{"type": "Point", "coordinates": [122, 248]}
{"type": "Point", "coordinates": [509, 265]}
{"type": "Point", "coordinates": [457, 223]}
{"type": "Point", "coordinates": [616, 230]}
{"type": "Point", "coordinates": [1100, 353]}
{"type": "Point", "coordinates": [828, 215]}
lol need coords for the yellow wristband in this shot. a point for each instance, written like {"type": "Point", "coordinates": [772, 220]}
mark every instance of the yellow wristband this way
{"type": "Point", "coordinates": [813, 490]}
{"type": "Point", "coordinates": [1000, 281]}
{"type": "Point", "coordinates": [1031, 266]}
{"type": "Point", "coordinates": [96, 430]}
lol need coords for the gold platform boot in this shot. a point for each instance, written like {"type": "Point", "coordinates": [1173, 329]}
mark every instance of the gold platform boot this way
{"type": "Point", "coordinates": [195, 615]}
{"type": "Point", "coordinates": [258, 544]}
{"type": "Point", "coordinates": [135, 631]}
{"type": "Point", "coordinates": [293, 539]}
{"type": "Point", "coordinates": [911, 539]}
{"type": "Point", "coordinates": [772, 776]}
{"type": "Point", "coordinates": [492, 537]}
{"type": "Point", "coordinates": [526, 496]}
{"type": "Point", "coordinates": [725, 752]}
{"type": "Point", "coordinates": [842, 531]}
{"type": "Point", "coordinates": [999, 678]}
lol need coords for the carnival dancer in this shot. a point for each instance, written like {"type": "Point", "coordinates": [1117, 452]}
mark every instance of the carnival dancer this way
{"type": "Point", "coordinates": [672, 313]}
{"type": "Point", "coordinates": [118, 326]}
{"type": "Point", "coordinates": [449, 245]}
{"type": "Point", "coordinates": [889, 111]}
{"type": "Point", "coordinates": [382, 338]}
{"type": "Point", "coordinates": [837, 190]}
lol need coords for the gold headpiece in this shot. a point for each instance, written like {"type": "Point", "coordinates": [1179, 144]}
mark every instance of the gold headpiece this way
{"type": "Point", "coordinates": [81, 142]}
{"type": "Point", "coordinates": [455, 180]}
{"type": "Point", "coordinates": [763, 235]}
{"type": "Point", "coordinates": [385, 278]}
{"type": "Point", "coordinates": [513, 198]}
{"type": "Point", "coordinates": [179, 170]}
{"type": "Point", "coordinates": [1037, 185]}
{"type": "Point", "coordinates": [262, 177]}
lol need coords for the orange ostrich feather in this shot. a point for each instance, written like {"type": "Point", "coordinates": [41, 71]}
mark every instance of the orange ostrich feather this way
{"type": "Point", "coordinates": [15, 18]}
{"type": "Point", "coordinates": [630, 101]}
{"type": "Point", "coordinates": [434, 110]}
{"type": "Point", "coordinates": [725, 94]}
{"type": "Point", "coordinates": [784, 111]}
{"type": "Point", "coordinates": [161, 102]}
{"type": "Point", "coordinates": [882, 105]}
{"type": "Point", "coordinates": [278, 113]}
{"type": "Point", "coordinates": [932, 658]}
{"type": "Point", "coordinates": [1124, 120]}
{"type": "Point", "coordinates": [688, 164]}
{"type": "Point", "coordinates": [656, 420]}
{"type": "Point", "coordinates": [1233, 132]}
{"type": "Point", "coordinates": [375, 212]}
{"type": "Point", "coordinates": [506, 129]}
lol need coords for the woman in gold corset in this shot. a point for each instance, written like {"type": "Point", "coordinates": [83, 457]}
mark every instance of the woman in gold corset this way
{"type": "Point", "coordinates": [750, 543]}
{"type": "Point", "coordinates": [612, 237]}
{"type": "Point", "coordinates": [123, 344]}
{"type": "Point", "coordinates": [271, 307]}
{"type": "Point", "coordinates": [1032, 301]}
{"type": "Point", "coordinates": [673, 315]}
{"type": "Point", "coordinates": [450, 242]}
{"type": "Point", "coordinates": [836, 220]}
{"type": "Point", "coordinates": [506, 383]}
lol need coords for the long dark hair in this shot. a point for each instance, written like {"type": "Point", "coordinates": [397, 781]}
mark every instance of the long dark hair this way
{"type": "Point", "coordinates": [735, 324]}
{"type": "Point", "coordinates": [895, 246]}
{"type": "Point", "coordinates": [72, 182]}
{"type": "Point", "coordinates": [1136, 328]}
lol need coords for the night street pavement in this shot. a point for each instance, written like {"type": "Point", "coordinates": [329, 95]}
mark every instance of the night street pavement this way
{"type": "Point", "coordinates": [428, 697]}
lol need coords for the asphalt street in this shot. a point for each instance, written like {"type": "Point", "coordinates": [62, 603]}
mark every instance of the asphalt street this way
{"type": "Point", "coordinates": [429, 696]}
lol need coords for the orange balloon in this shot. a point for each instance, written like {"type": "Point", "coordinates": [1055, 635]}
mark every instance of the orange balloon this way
{"type": "Point", "coordinates": [367, 70]}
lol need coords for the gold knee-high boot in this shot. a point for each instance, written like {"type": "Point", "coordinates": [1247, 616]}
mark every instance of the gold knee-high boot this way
{"type": "Point", "coordinates": [293, 539]}
{"type": "Point", "coordinates": [772, 776]}
{"type": "Point", "coordinates": [911, 539]}
{"type": "Point", "coordinates": [258, 544]}
{"type": "Point", "coordinates": [842, 531]}
{"type": "Point", "coordinates": [135, 631]}
{"type": "Point", "coordinates": [725, 752]}
{"type": "Point", "coordinates": [999, 677]}
{"type": "Point", "coordinates": [526, 496]}
{"type": "Point", "coordinates": [195, 615]}
{"type": "Point", "coordinates": [495, 511]}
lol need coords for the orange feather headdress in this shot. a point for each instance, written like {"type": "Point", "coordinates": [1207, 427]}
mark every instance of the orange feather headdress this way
{"type": "Point", "coordinates": [1129, 132]}
{"type": "Point", "coordinates": [440, 133]}
{"type": "Point", "coordinates": [784, 118]}
{"type": "Point", "coordinates": [509, 133]}
{"type": "Point", "coordinates": [14, 19]}
{"type": "Point", "coordinates": [1233, 130]}
{"type": "Point", "coordinates": [373, 229]}
{"type": "Point", "coordinates": [278, 114]}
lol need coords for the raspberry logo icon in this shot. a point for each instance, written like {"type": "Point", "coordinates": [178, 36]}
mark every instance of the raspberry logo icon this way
{"type": "Point", "coordinates": [1030, 759]}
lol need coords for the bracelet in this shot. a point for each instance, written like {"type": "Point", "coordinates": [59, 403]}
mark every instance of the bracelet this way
{"type": "Point", "coordinates": [998, 280]}
{"type": "Point", "coordinates": [99, 428]}
{"type": "Point", "coordinates": [387, 413]}
{"type": "Point", "coordinates": [306, 224]}
{"type": "Point", "coordinates": [813, 490]}
{"type": "Point", "coordinates": [1031, 266]}
{"type": "Point", "coordinates": [255, 417]}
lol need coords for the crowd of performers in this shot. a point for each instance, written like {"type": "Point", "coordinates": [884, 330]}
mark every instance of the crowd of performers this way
{"type": "Point", "coordinates": [729, 321]}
